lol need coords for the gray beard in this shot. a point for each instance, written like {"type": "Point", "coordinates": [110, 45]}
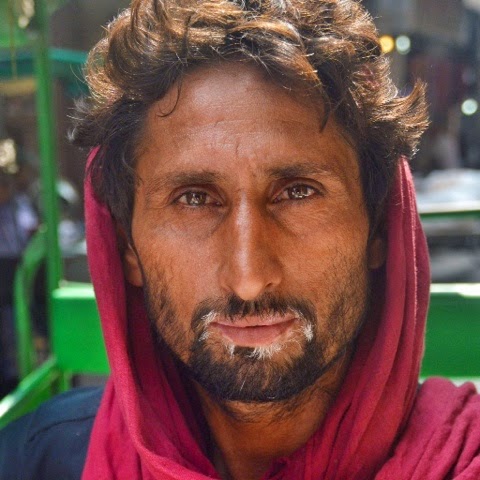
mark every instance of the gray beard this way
{"type": "Point", "coordinates": [249, 375]}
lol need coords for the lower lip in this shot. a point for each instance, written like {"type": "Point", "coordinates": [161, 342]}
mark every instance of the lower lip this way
{"type": "Point", "coordinates": [254, 336]}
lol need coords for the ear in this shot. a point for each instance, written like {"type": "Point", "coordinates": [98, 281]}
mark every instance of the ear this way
{"type": "Point", "coordinates": [377, 252]}
{"type": "Point", "coordinates": [131, 264]}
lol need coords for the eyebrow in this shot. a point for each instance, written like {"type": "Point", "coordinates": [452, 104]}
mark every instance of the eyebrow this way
{"type": "Point", "coordinates": [173, 180]}
{"type": "Point", "coordinates": [300, 170]}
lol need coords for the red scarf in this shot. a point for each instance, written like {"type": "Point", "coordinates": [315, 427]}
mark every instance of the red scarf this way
{"type": "Point", "coordinates": [382, 425]}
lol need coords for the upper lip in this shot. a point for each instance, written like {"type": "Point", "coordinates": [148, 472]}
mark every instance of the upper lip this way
{"type": "Point", "coordinates": [254, 321]}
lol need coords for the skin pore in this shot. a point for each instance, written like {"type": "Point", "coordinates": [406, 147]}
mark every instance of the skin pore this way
{"type": "Point", "coordinates": [250, 238]}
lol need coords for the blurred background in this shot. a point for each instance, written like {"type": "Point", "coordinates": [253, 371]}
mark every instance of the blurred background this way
{"type": "Point", "coordinates": [438, 41]}
{"type": "Point", "coordinates": [43, 45]}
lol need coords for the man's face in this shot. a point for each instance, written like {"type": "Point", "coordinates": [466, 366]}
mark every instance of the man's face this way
{"type": "Point", "coordinates": [249, 234]}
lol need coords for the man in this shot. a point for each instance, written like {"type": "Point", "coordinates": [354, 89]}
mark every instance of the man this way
{"type": "Point", "coordinates": [259, 266]}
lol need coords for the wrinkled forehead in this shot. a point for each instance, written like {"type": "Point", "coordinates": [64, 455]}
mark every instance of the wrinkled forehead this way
{"type": "Point", "coordinates": [206, 78]}
{"type": "Point", "coordinates": [209, 91]}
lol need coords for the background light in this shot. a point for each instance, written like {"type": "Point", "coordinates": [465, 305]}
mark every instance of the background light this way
{"type": "Point", "coordinates": [403, 44]}
{"type": "Point", "coordinates": [469, 106]}
{"type": "Point", "coordinates": [387, 43]}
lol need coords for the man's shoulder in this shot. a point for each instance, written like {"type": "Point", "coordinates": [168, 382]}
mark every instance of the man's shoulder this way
{"type": "Point", "coordinates": [442, 436]}
{"type": "Point", "coordinates": [447, 399]}
{"type": "Point", "coordinates": [52, 441]}
{"type": "Point", "coordinates": [444, 412]}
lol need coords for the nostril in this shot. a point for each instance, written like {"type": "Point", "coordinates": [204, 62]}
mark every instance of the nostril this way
{"type": "Point", "coordinates": [249, 280]}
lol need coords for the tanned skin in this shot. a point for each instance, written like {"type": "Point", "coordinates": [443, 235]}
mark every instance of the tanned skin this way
{"type": "Point", "coordinates": [243, 192]}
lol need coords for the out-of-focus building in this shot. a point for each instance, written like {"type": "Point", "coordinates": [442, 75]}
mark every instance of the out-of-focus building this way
{"type": "Point", "coordinates": [439, 42]}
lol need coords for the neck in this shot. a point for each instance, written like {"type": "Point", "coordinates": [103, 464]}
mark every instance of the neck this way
{"type": "Point", "coordinates": [247, 437]}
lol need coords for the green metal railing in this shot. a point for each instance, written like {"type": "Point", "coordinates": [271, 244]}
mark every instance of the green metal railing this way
{"type": "Point", "coordinates": [451, 211]}
{"type": "Point", "coordinates": [26, 52]}
{"type": "Point", "coordinates": [33, 257]}
{"type": "Point", "coordinates": [452, 343]}
{"type": "Point", "coordinates": [23, 53]}
{"type": "Point", "coordinates": [47, 146]}
{"type": "Point", "coordinates": [33, 390]}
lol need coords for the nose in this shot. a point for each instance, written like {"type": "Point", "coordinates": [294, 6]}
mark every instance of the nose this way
{"type": "Point", "coordinates": [250, 265]}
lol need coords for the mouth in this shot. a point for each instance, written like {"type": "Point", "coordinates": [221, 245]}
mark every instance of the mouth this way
{"type": "Point", "coordinates": [255, 331]}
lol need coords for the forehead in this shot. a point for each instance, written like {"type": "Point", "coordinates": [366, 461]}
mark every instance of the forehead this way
{"type": "Point", "coordinates": [226, 114]}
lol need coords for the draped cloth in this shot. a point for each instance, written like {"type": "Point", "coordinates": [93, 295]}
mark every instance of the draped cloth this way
{"type": "Point", "coordinates": [382, 425]}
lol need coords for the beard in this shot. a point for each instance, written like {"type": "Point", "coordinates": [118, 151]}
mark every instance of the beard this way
{"type": "Point", "coordinates": [276, 373]}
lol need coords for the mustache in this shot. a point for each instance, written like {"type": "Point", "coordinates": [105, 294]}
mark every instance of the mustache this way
{"type": "Point", "coordinates": [234, 308]}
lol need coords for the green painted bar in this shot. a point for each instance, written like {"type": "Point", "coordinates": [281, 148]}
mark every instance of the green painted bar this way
{"type": "Point", "coordinates": [37, 387]}
{"type": "Point", "coordinates": [33, 256]}
{"type": "Point", "coordinates": [47, 145]}
{"type": "Point", "coordinates": [66, 64]}
{"type": "Point", "coordinates": [454, 211]}
{"type": "Point", "coordinates": [453, 331]}
{"type": "Point", "coordinates": [76, 334]}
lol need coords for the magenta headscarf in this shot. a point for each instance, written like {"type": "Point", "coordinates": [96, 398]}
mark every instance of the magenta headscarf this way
{"type": "Point", "coordinates": [382, 424]}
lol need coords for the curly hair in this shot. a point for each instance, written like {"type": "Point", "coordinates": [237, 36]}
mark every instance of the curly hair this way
{"type": "Point", "coordinates": [327, 48]}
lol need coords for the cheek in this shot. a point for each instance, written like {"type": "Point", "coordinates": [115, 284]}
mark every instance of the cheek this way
{"type": "Point", "coordinates": [334, 220]}
{"type": "Point", "coordinates": [168, 305]}
{"type": "Point", "coordinates": [326, 246]}
{"type": "Point", "coordinates": [183, 272]}
{"type": "Point", "coordinates": [327, 267]}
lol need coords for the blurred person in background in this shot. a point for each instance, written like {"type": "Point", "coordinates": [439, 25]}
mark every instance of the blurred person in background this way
{"type": "Point", "coordinates": [18, 221]}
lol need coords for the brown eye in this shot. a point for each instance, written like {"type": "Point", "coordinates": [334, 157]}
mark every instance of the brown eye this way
{"type": "Point", "coordinates": [297, 192]}
{"type": "Point", "coordinates": [194, 199]}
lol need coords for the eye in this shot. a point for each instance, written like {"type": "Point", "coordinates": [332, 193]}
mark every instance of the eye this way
{"type": "Point", "coordinates": [296, 192]}
{"type": "Point", "coordinates": [196, 199]}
